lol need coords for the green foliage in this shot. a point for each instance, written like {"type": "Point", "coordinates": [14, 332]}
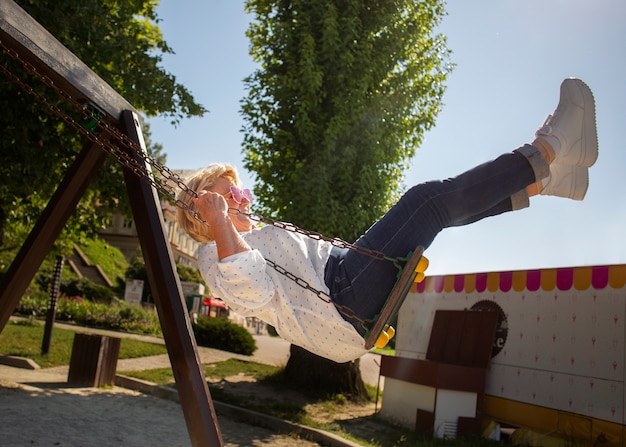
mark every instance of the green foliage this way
{"type": "Point", "coordinates": [35, 305]}
{"type": "Point", "coordinates": [38, 289]}
{"type": "Point", "coordinates": [119, 315]}
{"type": "Point", "coordinates": [137, 270]}
{"type": "Point", "coordinates": [186, 273]}
{"type": "Point", "coordinates": [87, 289]}
{"type": "Point", "coordinates": [271, 331]}
{"type": "Point", "coordinates": [223, 334]}
{"type": "Point", "coordinates": [109, 258]}
{"type": "Point", "coordinates": [344, 95]}
{"type": "Point", "coordinates": [342, 99]}
{"type": "Point", "coordinates": [159, 376]}
{"type": "Point", "coordinates": [122, 43]}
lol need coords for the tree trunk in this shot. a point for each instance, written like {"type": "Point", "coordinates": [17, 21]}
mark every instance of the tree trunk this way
{"type": "Point", "coordinates": [315, 374]}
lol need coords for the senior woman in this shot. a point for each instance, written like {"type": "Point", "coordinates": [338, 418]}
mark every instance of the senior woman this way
{"type": "Point", "coordinates": [238, 259]}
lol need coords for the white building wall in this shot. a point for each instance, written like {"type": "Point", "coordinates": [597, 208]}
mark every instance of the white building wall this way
{"type": "Point", "coordinates": [561, 338]}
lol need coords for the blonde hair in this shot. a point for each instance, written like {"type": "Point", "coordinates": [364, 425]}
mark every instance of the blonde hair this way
{"type": "Point", "coordinates": [203, 179]}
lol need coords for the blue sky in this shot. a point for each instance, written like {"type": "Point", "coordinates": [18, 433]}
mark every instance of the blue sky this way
{"type": "Point", "coordinates": [510, 57]}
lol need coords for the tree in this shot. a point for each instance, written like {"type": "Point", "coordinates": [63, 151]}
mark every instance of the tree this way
{"type": "Point", "coordinates": [121, 42]}
{"type": "Point", "coordinates": [339, 105]}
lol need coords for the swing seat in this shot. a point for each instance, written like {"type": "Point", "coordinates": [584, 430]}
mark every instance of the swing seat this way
{"type": "Point", "coordinates": [382, 332]}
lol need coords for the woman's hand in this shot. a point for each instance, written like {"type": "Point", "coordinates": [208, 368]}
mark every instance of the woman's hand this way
{"type": "Point", "coordinates": [212, 208]}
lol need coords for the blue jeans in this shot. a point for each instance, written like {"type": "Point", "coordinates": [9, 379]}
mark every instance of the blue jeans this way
{"type": "Point", "coordinates": [363, 284]}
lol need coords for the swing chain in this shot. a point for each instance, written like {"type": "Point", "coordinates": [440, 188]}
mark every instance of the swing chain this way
{"type": "Point", "coordinates": [167, 179]}
{"type": "Point", "coordinates": [344, 310]}
{"type": "Point", "coordinates": [299, 281]}
{"type": "Point", "coordinates": [336, 242]}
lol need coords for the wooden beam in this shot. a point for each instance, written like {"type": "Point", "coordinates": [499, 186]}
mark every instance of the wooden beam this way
{"type": "Point", "coordinates": [34, 44]}
{"type": "Point", "coordinates": [47, 229]}
{"type": "Point", "coordinates": [192, 388]}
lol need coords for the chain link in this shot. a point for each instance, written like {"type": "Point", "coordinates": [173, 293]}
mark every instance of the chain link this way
{"type": "Point", "coordinates": [167, 180]}
{"type": "Point", "coordinates": [346, 311]}
{"type": "Point", "coordinates": [336, 242]}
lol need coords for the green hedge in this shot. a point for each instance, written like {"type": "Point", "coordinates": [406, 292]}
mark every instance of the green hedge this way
{"type": "Point", "coordinates": [119, 315]}
{"type": "Point", "coordinates": [221, 333]}
{"type": "Point", "coordinates": [87, 289]}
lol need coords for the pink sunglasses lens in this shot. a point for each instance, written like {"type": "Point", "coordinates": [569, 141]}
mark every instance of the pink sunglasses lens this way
{"type": "Point", "coordinates": [239, 194]}
{"type": "Point", "coordinates": [247, 194]}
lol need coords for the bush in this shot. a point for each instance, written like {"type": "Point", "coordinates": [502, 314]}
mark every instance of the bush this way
{"type": "Point", "coordinates": [33, 303]}
{"type": "Point", "coordinates": [221, 333]}
{"type": "Point", "coordinates": [87, 289]}
{"type": "Point", "coordinates": [119, 316]}
{"type": "Point", "coordinates": [133, 318]}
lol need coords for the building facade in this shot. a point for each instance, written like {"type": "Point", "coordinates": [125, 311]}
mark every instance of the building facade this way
{"type": "Point", "coordinates": [122, 233]}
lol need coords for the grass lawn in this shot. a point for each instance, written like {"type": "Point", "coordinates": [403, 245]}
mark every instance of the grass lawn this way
{"type": "Point", "coordinates": [218, 370]}
{"type": "Point", "coordinates": [24, 339]}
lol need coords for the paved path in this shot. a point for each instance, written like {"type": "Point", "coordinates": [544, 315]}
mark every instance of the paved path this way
{"type": "Point", "coordinates": [39, 409]}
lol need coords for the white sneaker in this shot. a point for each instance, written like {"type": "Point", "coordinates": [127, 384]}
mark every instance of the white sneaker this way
{"type": "Point", "coordinates": [573, 124]}
{"type": "Point", "coordinates": [566, 181]}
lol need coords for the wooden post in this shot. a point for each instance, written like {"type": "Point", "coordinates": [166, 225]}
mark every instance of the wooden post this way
{"type": "Point", "coordinates": [170, 302]}
{"type": "Point", "coordinates": [94, 360]}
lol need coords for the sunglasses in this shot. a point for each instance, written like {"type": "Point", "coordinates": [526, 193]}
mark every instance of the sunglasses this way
{"type": "Point", "coordinates": [239, 195]}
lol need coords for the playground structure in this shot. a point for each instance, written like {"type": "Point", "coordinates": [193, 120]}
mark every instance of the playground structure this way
{"type": "Point", "coordinates": [24, 39]}
{"type": "Point", "coordinates": [557, 366]}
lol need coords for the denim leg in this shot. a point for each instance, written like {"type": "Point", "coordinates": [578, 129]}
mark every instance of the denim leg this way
{"type": "Point", "coordinates": [363, 283]}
